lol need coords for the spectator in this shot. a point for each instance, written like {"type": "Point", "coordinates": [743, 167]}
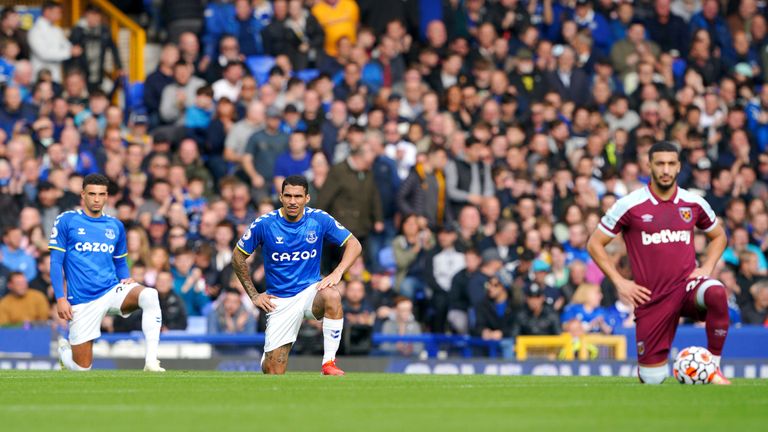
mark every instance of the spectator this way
{"type": "Point", "coordinates": [95, 40]}
{"type": "Point", "coordinates": [180, 95]}
{"type": "Point", "coordinates": [22, 305]}
{"type": "Point", "coordinates": [262, 151]}
{"type": "Point", "coordinates": [230, 316]}
{"type": "Point", "coordinates": [410, 251]}
{"type": "Point", "coordinates": [585, 309]}
{"type": "Point", "coordinates": [495, 313]}
{"type": "Point", "coordinates": [10, 29]}
{"type": "Point", "coordinates": [359, 317]}
{"type": "Point", "coordinates": [468, 177]}
{"type": "Point", "coordinates": [188, 282]}
{"type": "Point", "coordinates": [757, 311]}
{"type": "Point", "coordinates": [231, 82]}
{"type": "Point", "coordinates": [240, 133]}
{"type": "Point", "coordinates": [567, 80]}
{"type": "Point", "coordinates": [443, 263]}
{"type": "Point", "coordinates": [14, 257]}
{"type": "Point", "coordinates": [339, 20]}
{"type": "Point", "coordinates": [295, 161]}
{"type": "Point", "coordinates": [536, 318]}
{"type": "Point", "coordinates": [402, 323]}
{"type": "Point", "coordinates": [172, 306]}
{"type": "Point", "coordinates": [351, 195]}
{"type": "Point", "coordinates": [48, 43]}
{"type": "Point", "coordinates": [423, 192]}
{"type": "Point", "coordinates": [667, 29]}
{"type": "Point", "coordinates": [304, 39]}
{"type": "Point", "coordinates": [156, 82]}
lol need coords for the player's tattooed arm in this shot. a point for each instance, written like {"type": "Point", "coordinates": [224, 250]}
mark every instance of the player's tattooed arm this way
{"type": "Point", "coordinates": [243, 272]}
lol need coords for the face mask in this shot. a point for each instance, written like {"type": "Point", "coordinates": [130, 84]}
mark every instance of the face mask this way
{"type": "Point", "coordinates": [46, 142]}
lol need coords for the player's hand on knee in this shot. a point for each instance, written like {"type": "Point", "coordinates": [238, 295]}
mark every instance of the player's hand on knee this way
{"type": "Point", "coordinates": [329, 281]}
{"type": "Point", "coordinates": [127, 281]}
{"type": "Point", "coordinates": [264, 302]}
{"type": "Point", "coordinates": [633, 293]}
{"type": "Point", "coordinates": [699, 272]}
{"type": "Point", "coordinates": [64, 309]}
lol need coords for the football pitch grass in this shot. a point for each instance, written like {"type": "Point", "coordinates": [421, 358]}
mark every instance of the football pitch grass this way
{"type": "Point", "coordinates": [230, 401]}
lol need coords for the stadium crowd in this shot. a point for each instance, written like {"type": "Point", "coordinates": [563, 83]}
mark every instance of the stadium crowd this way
{"type": "Point", "coordinates": [471, 145]}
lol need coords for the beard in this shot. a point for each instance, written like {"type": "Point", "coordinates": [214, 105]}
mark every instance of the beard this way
{"type": "Point", "coordinates": [662, 186]}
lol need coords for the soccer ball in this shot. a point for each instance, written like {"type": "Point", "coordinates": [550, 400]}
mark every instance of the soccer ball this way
{"type": "Point", "coordinates": [694, 365]}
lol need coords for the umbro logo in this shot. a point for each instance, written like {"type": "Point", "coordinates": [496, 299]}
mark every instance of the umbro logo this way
{"type": "Point", "coordinates": [81, 231]}
{"type": "Point", "coordinates": [647, 218]}
{"type": "Point", "coordinates": [279, 240]}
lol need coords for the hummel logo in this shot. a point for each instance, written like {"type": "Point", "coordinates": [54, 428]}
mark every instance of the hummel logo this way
{"type": "Point", "coordinates": [335, 334]}
{"type": "Point", "coordinates": [279, 240]}
{"type": "Point", "coordinates": [647, 218]}
{"type": "Point", "coordinates": [81, 231]}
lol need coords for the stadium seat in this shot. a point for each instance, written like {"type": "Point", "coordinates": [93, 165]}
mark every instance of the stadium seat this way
{"type": "Point", "coordinates": [387, 259]}
{"type": "Point", "coordinates": [307, 75]}
{"type": "Point", "coordinates": [259, 67]}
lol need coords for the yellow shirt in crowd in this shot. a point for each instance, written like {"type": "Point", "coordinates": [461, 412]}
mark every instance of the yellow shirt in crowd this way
{"type": "Point", "coordinates": [337, 21]}
{"type": "Point", "coordinates": [32, 306]}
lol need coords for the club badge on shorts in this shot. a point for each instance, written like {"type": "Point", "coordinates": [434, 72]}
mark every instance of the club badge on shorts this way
{"type": "Point", "coordinates": [686, 214]}
{"type": "Point", "coordinates": [641, 347]}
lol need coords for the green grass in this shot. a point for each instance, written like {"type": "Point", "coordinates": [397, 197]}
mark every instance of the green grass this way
{"type": "Point", "coordinates": [227, 401]}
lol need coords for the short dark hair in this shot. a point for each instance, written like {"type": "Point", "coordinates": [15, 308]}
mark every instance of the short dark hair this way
{"type": "Point", "coordinates": [663, 146]}
{"type": "Point", "coordinates": [95, 179]}
{"type": "Point", "coordinates": [296, 180]}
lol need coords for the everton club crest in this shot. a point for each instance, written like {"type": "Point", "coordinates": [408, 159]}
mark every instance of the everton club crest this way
{"type": "Point", "coordinates": [311, 237]}
{"type": "Point", "coordinates": [686, 214]}
{"type": "Point", "coordinates": [109, 233]}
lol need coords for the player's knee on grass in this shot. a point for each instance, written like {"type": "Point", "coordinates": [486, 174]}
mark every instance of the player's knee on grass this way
{"type": "Point", "coordinates": [652, 375]}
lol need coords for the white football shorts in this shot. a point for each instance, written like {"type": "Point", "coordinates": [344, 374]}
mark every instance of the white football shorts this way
{"type": "Point", "coordinates": [284, 322]}
{"type": "Point", "coordinates": [86, 317]}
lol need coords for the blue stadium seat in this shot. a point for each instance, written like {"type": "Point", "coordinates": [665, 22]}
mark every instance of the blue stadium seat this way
{"type": "Point", "coordinates": [307, 75]}
{"type": "Point", "coordinates": [387, 259]}
{"type": "Point", "coordinates": [260, 66]}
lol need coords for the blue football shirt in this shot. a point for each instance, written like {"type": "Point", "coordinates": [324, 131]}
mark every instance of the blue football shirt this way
{"type": "Point", "coordinates": [292, 250]}
{"type": "Point", "coordinates": [89, 246]}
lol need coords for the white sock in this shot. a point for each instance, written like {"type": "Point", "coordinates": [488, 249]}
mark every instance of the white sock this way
{"type": "Point", "coordinates": [151, 321]}
{"type": "Point", "coordinates": [716, 359]}
{"type": "Point", "coordinates": [65, 353]}
{"type": "Point", "coordinates": [652, 375]}
{"type": "Point", "coordinates": [331, 338]}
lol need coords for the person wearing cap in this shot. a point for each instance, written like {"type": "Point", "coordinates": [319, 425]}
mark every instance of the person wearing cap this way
{"type": "Point", "coordinates": [553, 297]}
{"type": "Point", "coordinates": [528, 79]}
{"type": "Point", "coordinates": [491, 265]}
{"type": "Point", "coordinates": [262, 150]}
{"type": "Point", "coordinates": [495, 313]}
{"type": "Point", "coordinates": [442, 264]}
{"type": "Point", "coordinates": [536, 317]}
